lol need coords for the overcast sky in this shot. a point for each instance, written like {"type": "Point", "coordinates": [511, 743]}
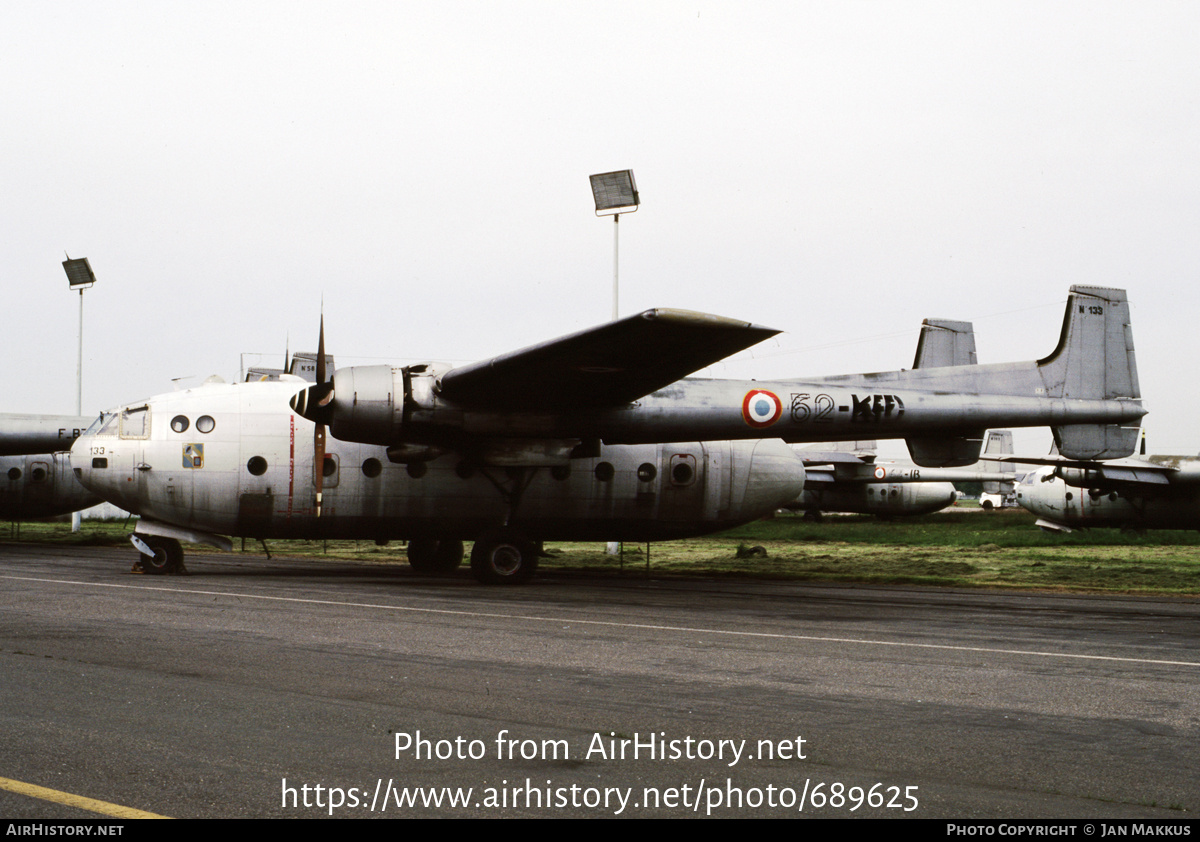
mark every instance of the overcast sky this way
{"type": "Point", "coordinates": [835, 170]}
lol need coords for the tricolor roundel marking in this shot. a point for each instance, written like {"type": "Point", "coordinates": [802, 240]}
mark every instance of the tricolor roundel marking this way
{"type": "Point", "coordinates": [761, 408]}
{"type": "Point", "coordinates": [880, 473]}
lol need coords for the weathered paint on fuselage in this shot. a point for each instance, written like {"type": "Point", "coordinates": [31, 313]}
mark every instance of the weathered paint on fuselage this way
{"type": "Point", "coordinates": [251, 474]}
{"type": "Point", "coordinates": [40, 485]}
{"type": "Point", "coordinates": [1175, 506]}
{"type": "Point", "coordinates": [877, 498]}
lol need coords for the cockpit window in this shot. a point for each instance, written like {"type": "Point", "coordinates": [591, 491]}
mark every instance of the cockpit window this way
{"type": "Point", "coordinates": [135, 422]}
{"type": "Point", "coordinates": [105, 425]}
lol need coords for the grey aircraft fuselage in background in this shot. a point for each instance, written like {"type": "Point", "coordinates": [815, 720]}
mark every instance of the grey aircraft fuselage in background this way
{"type": "Point", "coordinates": [851, 480]}
{"type": "Point", "coordinates": [1155, 492]}
{"type": "Point", "coordinates": [36, 480]}
{"type": "Point", "coordinates": [563, 440]}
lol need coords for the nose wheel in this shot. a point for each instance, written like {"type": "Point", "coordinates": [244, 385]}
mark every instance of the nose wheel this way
{"type": "Point", "coordinates": [165, 555]}
{"type": "Point", "coordinates": [503, 557]}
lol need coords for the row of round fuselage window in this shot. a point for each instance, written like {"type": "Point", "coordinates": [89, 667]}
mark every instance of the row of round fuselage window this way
{"type": "Point", "coordinates": [372, 468]}
{"type": "Point", "coordinates": [204, 424]}
{"type": "Point", "coordinates": [37, 475]}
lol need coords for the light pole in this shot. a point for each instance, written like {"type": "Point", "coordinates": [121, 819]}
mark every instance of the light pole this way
{"type": "Point", "coordinates": [615, 193]}
{"type": "Point", "coordinates": [80, 277]}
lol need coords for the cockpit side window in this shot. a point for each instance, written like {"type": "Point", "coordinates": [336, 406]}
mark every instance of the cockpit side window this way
{"type": "Point", "coordinates": [135, 422]}
{"type": "Point", "coordinates": [105, 425]}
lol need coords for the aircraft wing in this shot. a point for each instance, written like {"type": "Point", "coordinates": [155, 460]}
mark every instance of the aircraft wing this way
{"type": "Point", "coordinates": [609, 365]}
{"type": "Point", "coordinates": [1126, 471]}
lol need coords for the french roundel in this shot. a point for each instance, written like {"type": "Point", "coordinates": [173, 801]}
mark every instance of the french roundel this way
{"type": "Point", "coordinates": [880, 473]}
{"type": "Point", "coordinates": [761, 408]}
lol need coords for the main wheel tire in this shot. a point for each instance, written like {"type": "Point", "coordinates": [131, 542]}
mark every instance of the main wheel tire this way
{"type": "Point", "coordinates": [432, 556]}
{"type": "Point", "coordinates": [986, 505]}
{"type": "Point", "coordinates": [167, 558]}
{"type": "Point", "coordinates": [503, 557]}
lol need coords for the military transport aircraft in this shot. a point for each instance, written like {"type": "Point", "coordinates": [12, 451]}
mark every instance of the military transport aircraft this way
{"type": "Point", "coordinates": [1154, 492]}
{"type": "Point", "coordinates": [41, 485]}
{"type": "Point", "coordinates": [35, 474]}
{"type": "Point", "coordinates": [21, 435]}
{"type": "Point", "coordinates": [563, 440]}
{"type": "Point", "coordinates": [848, 478]}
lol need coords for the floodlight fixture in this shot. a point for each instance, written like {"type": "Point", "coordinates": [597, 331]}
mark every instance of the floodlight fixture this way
{"type": "Point", "coordinates": [79, 273]}
{"type": "Point", "coordinates": [615, 192]}
{"type": "Point", "coordinates": [80, 276]}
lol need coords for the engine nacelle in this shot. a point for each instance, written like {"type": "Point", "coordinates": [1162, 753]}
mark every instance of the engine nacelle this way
{"type": "Point", "coordinates": [367, 404]}
{"type": "Point", "coordinates": [373, 404]}
{"type": "Point", "coordinates": [1081, 477]}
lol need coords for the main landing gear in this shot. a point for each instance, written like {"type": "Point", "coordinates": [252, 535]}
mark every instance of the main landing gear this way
{"type": "Point", "coordinates": [503, 557]}
{"type": "Point", "coordinates": [500, 556]}
{"type": "Point", "coordinates": [434, 557]}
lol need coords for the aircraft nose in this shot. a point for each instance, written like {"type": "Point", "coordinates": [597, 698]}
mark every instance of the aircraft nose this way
{"type": "Point", "coordinates": [80, 464]}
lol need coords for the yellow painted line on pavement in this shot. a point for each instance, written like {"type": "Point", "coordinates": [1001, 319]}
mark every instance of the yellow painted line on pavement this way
{"type": "Point", "coordinates": [91, 804]}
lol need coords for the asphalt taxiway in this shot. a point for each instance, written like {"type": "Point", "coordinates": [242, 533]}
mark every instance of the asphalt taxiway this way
{"type": "Point", "coordinates": [253, 687]}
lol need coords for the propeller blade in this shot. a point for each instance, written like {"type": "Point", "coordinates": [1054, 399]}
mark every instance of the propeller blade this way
{"type": "Point", "coordinates": [321, 353]}
{"type": "Point", "coordinates": [314, 402]}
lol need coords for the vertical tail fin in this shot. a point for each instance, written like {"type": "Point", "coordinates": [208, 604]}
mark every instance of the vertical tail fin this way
{"type": "Point", "coordinates": [999, 443]}
{"type": "Point", "coordinates": [944, 343]}
{"type": "Point", "coordinates": [1094, 360]}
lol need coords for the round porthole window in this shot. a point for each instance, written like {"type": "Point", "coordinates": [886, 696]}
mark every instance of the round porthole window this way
{"type": "Point", "coordinates": [372, 468]}
{"type": "Point", "coordinates": [646, 472]}
{"type": "Point", "coordinates": [257, 466]}
{"type": "Point", "coordinates": [205, 423]}
{"type": "Point", "coordinates": [179, 423]}
{"type": "Point", "coordinates": [605, 471]}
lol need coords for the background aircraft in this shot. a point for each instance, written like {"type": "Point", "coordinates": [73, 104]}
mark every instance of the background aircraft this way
{"type": "Point", "coordinates": [1155, 492]}
{"type": "Point", "coordinates": [41, 485]}
{"type": "Point", "coordinates": [498, 439]}
{"type": "Point", "coordinates": [24, 434]}
{"type": "Point", "coordinates": [35, 474]}
{"type": "Point", "coordinates": [850, 479]}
